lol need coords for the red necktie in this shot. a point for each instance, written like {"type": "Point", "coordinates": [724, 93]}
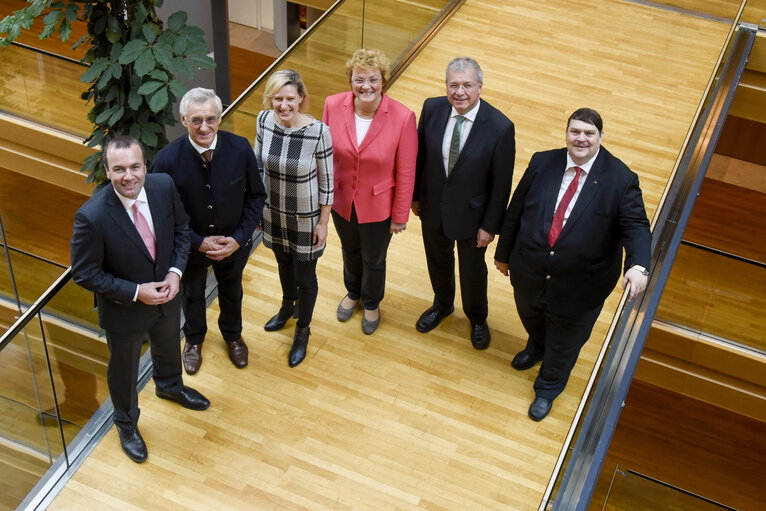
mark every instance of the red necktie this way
{"type": "Point", "coordinates": [142, 226]}
{"type": "Point", "coordinates": [558, 216]}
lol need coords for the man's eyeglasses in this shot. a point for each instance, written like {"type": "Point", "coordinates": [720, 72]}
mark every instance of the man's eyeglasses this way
{"type": "Point", "coordinates": [197, 121]}
{"type": "Point", "coordinates": [361, 81]}
{"type": "Point", "coordinates": [454, 87]}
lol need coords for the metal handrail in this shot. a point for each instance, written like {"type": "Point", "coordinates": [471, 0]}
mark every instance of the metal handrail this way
{"type": "Point", "coordinates": [597, 428]}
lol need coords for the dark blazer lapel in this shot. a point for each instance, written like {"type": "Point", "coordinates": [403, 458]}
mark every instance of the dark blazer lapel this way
{"type": "Point", "coordinates": [593, 184]}
{"type": "Point", "coordinates": [554, 176]}
{"type": "Point", "coordinates": [159, 218]}
{"type": "Point", "coordinates": [437, 129]}
{"type": "Point", "coordinates": [378, 123]}
{"type": "Point", "coordinates": [121, 219]}
{"type": "Point", "coordinates": [479, 124]}
{"type": "Point", "coordinates": [348, 116]}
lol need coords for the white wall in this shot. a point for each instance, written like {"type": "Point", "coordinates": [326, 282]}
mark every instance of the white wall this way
{"type": "Point", "coordinates": [253, 13]}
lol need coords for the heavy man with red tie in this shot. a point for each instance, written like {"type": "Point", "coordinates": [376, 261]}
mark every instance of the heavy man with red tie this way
{"type": "Point", "coordinates": [562, 241]}
{"type": "Point", "coordinates": [130, 243]}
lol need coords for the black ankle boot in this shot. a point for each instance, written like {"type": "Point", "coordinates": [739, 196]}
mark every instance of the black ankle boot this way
{"type": "Point", "coordinates": [278, 321]}
{"type": "Point", "coordinates": [300, 341]}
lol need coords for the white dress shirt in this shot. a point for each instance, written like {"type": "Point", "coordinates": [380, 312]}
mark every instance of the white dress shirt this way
{"type": "Point", "coordinates": [470, 117]}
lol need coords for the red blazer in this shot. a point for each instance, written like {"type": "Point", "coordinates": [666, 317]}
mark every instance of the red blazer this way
{"type": "Point", "coordinates": [377, 177]}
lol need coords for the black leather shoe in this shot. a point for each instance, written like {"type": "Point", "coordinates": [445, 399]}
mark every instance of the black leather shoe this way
{"type": "Point", "coordinates": [524, 360]}
{"type": "Point", "coordinates": [431, 318]}
{"type": "Point", "coordinates": [298, 349]}
{"type": "Point", "coordinates": [480, 335]}
{"type": "Point", "coordinates": [278, 322]}
{"type": "Point", "coordinates": [539, 408]}
{"type": "Point", "coordinates": [132, 444]}
{"type": "Point", "coordinates": [188, 398]}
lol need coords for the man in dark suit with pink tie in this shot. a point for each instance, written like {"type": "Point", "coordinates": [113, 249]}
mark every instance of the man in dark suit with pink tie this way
{"type": "Point", "coordinates": [570, 217]}
{"type": "Point", "coordinates": [129, 246]}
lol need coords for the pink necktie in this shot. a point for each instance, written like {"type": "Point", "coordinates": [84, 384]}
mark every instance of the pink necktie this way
{"type": "Point", "coordinates": [558, 216]}
{"type": "Point", "coordinates": [144, 230]}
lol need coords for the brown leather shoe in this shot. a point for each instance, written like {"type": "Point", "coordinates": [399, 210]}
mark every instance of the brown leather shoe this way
{"type": "Point", "coordinates": [238, 352]}
{"type": "Point", "coordinates": [192, 357]}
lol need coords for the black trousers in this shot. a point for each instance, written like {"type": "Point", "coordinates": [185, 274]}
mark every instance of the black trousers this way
{"type": "Point", "coordinates": [440, 257]}
{"type": "Point", "coordinates": [299, 281]}
{"type": "Point", "coordinates": [228, 273]}
{"type": "Point", "coordinates": [364, 248]}
{"type": "Point", "coordinates": [124, 357]}
{"type": "Point", "coordinates": [557, 338]}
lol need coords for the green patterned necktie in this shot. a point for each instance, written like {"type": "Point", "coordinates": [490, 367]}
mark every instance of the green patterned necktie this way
{"type": "Point", "coordinates": [454, 146]}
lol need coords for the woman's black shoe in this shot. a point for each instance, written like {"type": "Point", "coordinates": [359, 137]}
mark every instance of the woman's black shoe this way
{"type": "Point", "coordinates": [287, 311]}
{"type": "Point", "coordinates": [300, 341]}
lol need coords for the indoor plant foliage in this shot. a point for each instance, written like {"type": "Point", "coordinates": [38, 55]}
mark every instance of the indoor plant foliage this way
{"type": "Point", "coordinates": [132, 59]}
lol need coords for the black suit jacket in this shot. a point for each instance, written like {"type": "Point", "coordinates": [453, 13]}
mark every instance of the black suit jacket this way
{"type": "Point", "coordinates": [110, 258]}
{"type": "Point", "coordinates": [477, 190]}
{"type": "Point", "coordinates": [226, 199]}
{"type": "Point", "coordinates": [582, 268]}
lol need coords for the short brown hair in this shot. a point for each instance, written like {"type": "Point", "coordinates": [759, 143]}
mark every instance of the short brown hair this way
{"type": "Point", "coordinates": [369, 59]}
{"type": "Point", "coordinates": [587, 115]}
{"type": "Point", "coordinates": [122, 142]}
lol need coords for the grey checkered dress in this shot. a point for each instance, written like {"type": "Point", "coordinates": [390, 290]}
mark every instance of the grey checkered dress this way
{"type": "Point", "coordinates": [296, 164]}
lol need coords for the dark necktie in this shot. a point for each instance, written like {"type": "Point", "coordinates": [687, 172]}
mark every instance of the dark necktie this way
{"type": "Point", "coordinates": [207, 155]}
{"type": "Point", "coordinates": [142, 226]}
{"type": "Point", "coordinates": [558, 216]}
{"type": "Point", "coordinates": [454, 146]}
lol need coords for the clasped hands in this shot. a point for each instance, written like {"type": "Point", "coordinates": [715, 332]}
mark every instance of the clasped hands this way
{"type": "Point", "coordinates": [156, 293]}
{"type": "Point", "coordinates": [218, 248]}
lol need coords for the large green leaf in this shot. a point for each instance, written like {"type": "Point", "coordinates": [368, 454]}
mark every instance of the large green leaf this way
{"type": "Point", "coordinates": [52, 17]}
{"type": "Point", "coordinates": [201, 61]}
{"type": "Point", "coordinates": [113, 29]}
{"type": "Point", "coordinates": [163, 53]}
{"type": "Point", "coordinates": [106, 114]}
{"type": "Point", "coordinates": [65, 30]}
{"type": "Point", "coordinates": [159, 74]}
{"type": "Point", "coordinates": [135, 131]}
{"type": "Point", "coordinates": [71, 11]}
{"type": "Point", "coordinates": [134, 99]}
{"type": "Point", "coordinates": [181, 45]}
{"type": "Point", "coordinates": [148, 138]}
{"type": "Point", "coordinates": [150, 32]}
{"type": "Point", "coordinates": [144, 63]}
{"type": "Point", "coordinates": [177, 88]}
{"type": "Point", "coordinates": [94, 71]}
{"type": "Point", "coordinates": [104, 79]}
{"type": "Point", "coordinates": [133, 50]}
{"type": "Point", "coordinates": [116, 116]}
{"type": "Point", "coordinates": [115, 51]}
{"type": "Point", "coordinates": [176, 21]}
{"type": "Point", "coordinates": [149, 87]}
{"type": "Point", "coordinates": [159, 100]}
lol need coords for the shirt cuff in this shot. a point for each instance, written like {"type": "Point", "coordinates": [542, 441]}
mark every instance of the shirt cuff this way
{"type": "Point", "coordinates": [135, 296]}
{"type": "Point", "coordinates": [177, 271]}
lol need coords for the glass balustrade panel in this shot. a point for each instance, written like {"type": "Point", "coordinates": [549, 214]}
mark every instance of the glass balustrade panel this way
{"type": "Point", "coordinates": [631, 491]}
{"type": "Point", "coordinates": [716, 295]}
{"type": "Point", "coordinates": [392, 27]}
{"type": "Point", "coordinates": [44, 89]}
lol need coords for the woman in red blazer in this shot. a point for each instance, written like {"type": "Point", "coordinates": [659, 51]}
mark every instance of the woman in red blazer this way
{"type": "Point", "coordinates": [374, 145]}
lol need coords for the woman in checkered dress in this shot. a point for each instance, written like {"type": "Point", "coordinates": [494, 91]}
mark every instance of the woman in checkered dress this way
{"type": "Point", "coordinates": [294, 152]}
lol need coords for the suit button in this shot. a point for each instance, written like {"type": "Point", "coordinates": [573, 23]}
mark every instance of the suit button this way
{"type": "Point", "coordinates": [209, 206]}
{"type": "Point", "coordinates": [207, 187]}
{"type": "Point", "coordinates": [551, 252]}
{"type": "Point", "coordinates": [211, 226]}
{"type": "Point", "coordinates": [547, 277]}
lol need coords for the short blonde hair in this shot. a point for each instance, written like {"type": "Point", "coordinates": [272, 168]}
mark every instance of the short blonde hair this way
{"type": "Point", "coordinates": [369, 59]}
{"type": "Point", "coordinates": [279, 79]}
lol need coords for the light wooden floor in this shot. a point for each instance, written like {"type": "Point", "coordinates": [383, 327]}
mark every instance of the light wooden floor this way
{"type": "Point", "coordinates": [402, 420]}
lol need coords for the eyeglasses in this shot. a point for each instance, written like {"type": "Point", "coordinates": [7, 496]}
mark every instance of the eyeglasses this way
{"type": "Point", "coordinates": [197, 121]}
{"type": "Point", "coordinates": [372, 81]}
{"type": "Point", "coordinates": [454, 87]}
